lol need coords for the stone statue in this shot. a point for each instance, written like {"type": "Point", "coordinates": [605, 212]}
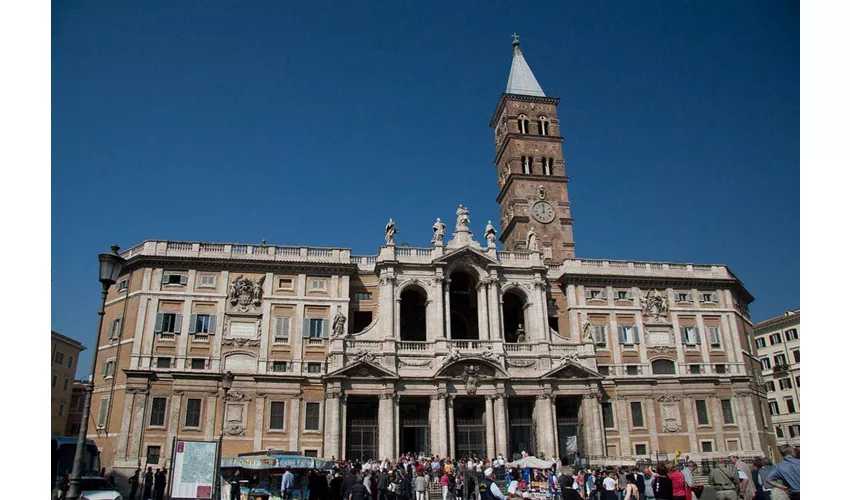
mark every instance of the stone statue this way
{"type": "Point", "coordinates": [490, 234]}
{"type": "Point", "coordinates": [390, 232]}
{"type": "Point", "coordinates": [531, 240]}
{"type": "Point", "coordinates": [520, 334]}
{"type": "Point", "coordinates": [541, 193]}
{"type": "Point", "coordinates": [472, 376]}
{"type": "Point", "coordinates": [339, 324]}
{"type": "Point", "coordinates": [654, 304]}
{"type": "Point", "coordinates": [439, 232]}
{"type": "Point", "coordinates": [588, 332]}
{"type": "Point", "coordinates": [462, 217]}
{"type": "Point", "coordinates": [527, 165]}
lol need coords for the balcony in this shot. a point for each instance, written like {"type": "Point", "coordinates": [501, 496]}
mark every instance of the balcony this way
{"type": "Point", "coordinates": [236, 251]}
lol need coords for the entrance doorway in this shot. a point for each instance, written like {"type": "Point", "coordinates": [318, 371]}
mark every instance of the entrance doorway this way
{"type": "Point", "coordinates": [521, 429]}
{"type": "Point", "coordinates": [362, 428]}
{"type": "Point", "coordinates": [469, 428]}
{"type": "Point", "coordinates": [415, 425]}
{"type": "Point", "coordinates": [569, 429]}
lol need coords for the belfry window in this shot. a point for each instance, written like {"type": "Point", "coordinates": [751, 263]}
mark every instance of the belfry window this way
{"type": "Point", "coordinates": [522, 124]}
{"type": "Point", "coordinates": [547, 166]}
{"type": "Point", "coordinates": [526, 164]}
{"type": "Point", "coordinates": [543, 125]}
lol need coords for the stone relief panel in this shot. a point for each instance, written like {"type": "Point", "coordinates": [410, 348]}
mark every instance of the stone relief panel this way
{"type": "Point", "coordinates": [671, 420]}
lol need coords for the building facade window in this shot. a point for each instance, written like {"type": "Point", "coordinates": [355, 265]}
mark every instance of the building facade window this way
{"type": "Point", "coordinates": [608, 415]}
{"type": "Point", "coordinates": [632, 370]}
{"type": "Point", "coordinates": [789, 402]}
{"type": "Point", "coordinates": [198, 363]}
{"type": "Point", "coordinates": [599, 335]}
{"type": "Point", "coordinates": [121, 285]}
{"type": "Point", "coordinates": [153, 455]}
{"type": "Point", "coordinates": [207, 280]}
{"type": "Point", "coordinates": [728, 414]}
{"type": "Point", "coordinates": [684, 297]}
{"type": "Point", "coordinates": [793, 431]}
{"type": "Point", "coordinates": [663, 367]}
{"type": "Point", "coordinates": [708, 298]}
{"type": "Point", "coordinates": [318, 285]}
{"type": "Point", "coordinates": [314, 368]}
{"type": "Point", "coordinates": [282, 325]}
{"type": "Point", "coordinates": [604, 370]}
{"type": "Point", "coordinates": [791, 334]}
{"type": "Point", "coordinates": [362, 295]}
{"type": "Point", "coordinates": [775, 339]}
{"type": "Point", "coordinates": [193, 413]}
{"type": "Point", "coordinates": [158, 406]}
{"type": "Point", "coordinates": [315, 328]}
{"type": "Point", "coordinates": [58, 358]}
{"type": "Point", "coordinates": [115, 328]}
{"type": "Point", "coordinates": [640, 449]}
{"type": "Point", "coordinates": [311, 416]}
{"type": "Point", "coordinates": [276, 415]}
{"type": "Point", "coordinates": [522, 124]}
{"type": "Point", "coordinates": [707, 446]}
{"type": "Point", "coordinates": [203, 324]}
{"type": "Point", "coordinates": [637, 414]}
{"type": "Point", "coordinates": [713, 336]}
{"type": "Point", "coordinates": [104, 409]}
{"type": "Point", "coordinates": [690, 335]}
{"type": "Point", "coordinates": [796, 355]}
{"type": "Point", "coordinates": [770, 386]}
{"type": "Point", "coordinates": [163, 362]}
{"type": "Point", "coordinates": [720, 369]}
{"type": "Point", "coordinates": [108, 368]}
{"type": "Point", "coordinates": [760, 343]}
{"type": "Point", "coordinates": [280, 366]}
{"type": "Point", "coordinates": [543, 125]}
{"type": "Point", "coordinates": [773, 406]}
{"type": "Point", "coordinates": [784, 383]}
{"type": "Point", "coordinates": [285, 284]}
{"type": "Point", "coordinates": [628, 334]}
{"type": "Point", "coordinates": [779, 432]}
{"type": "Point", "coordinates": [702, 412]}
{"type": "Point", "coordinates": [780, 360]}
{"type": "Point", "coordinates": [168, 322]}
{"type": "Point", "coordinates": [172, 278]}
{"type": "Point", "coordinates": [70, 361]}
{"type": "Point", "coordinates": [765, 363]}
{"type": "Point", "coordinates": [695, 369]}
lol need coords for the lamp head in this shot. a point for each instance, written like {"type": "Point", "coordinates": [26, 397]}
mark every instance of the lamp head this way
{"type": "Point", "coordinates": [111, 265]}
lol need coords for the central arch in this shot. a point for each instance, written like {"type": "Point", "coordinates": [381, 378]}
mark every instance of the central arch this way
{"type": "Point", "coordinates": [463, 307]}
{"type": "Point", "coordinates": [413, 318]}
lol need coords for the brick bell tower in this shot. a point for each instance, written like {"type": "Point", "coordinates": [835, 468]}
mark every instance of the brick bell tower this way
{"type": "Point", "coordinates": [530, 166]}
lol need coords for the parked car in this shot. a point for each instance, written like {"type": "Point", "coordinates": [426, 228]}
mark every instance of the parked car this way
{"type": "Point", "coordinates": [95, 488]}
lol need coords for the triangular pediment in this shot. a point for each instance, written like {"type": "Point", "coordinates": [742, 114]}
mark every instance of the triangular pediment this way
{"type": "Point", "coordinates": [572, 369]}
{"type": "Point", "coordinates": [362, 369]}
{"type": "Point", "coordinates": [477, 256]}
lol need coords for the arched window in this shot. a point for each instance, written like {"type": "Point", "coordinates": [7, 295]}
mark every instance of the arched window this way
{"type": "Point", "coordinates": [663, 367]}
{"type": "Point", "coordinates": [543, 125]}
{"type": "Point", "coordinates": [464, 306]}
{"type": "Point", "coordinates": [547, 166]}
{"type": "Point", "coordinates": [522, 123]}
{"type": "Point", "coordinates": [412, 320]}
{"type": "Point", "coordinates": [513, 312]}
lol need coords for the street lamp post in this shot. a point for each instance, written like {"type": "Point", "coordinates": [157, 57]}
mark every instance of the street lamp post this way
{"type": "Point", "coordinates": [111, 265]}
{"type": "Point", "coordinates": [226, 384]}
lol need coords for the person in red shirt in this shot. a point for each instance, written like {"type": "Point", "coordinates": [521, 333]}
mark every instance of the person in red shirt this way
{"type": "Point", "coordinates": [681, 491]}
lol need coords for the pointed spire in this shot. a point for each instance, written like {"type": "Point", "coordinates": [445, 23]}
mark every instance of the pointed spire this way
{"type": "Point", "coordinates": [521, 80]}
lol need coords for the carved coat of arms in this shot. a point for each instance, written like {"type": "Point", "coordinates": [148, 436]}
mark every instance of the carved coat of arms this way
{"type": "Point", "coordinates": [246, 294]}
{"type": "Point", "coordinates": [654, 305]}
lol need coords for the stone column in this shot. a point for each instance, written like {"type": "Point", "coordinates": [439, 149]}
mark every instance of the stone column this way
{"type": "Point", "coordinates": [436, 329]}
{"type": "Point", "coordinates": [652, 423]}
{"type": "Point", "coordinates": [483, 312]}
{"type": "Point", "coordinates": [332, 424]}
{"type": "Point", "coordinates": [575, 334]}
{"type": "Point", "coordinates": [387, 305]}
{"type": "Point", "coordinates": [209, 422]}
{"type": "Point", "coordinates": [749, 410]}
{"type": "Point", "coordinates": [295, 422]}
{"type": "Point", "coordinates": [173, 423]}
{"type": "Point", "coordinates": [594, 414]}
{"type": "Point", "coordinates": [495, 310]}
{"type": "Point", "coordinates": [386, 434]}
{"type": "Point", "coordinates": [743, 422]}
{"type": "Point", "coordinates": [139, 415]}
{"type": "Point", "coordinates": [543, 414]}
{"type": "Point", "coordinates": [717, 423]}
{"type": "Point", "coordinates": [451, 424]}
{"type": "Point", "coordinates": [434, 419]}
{"type": "Point", "coordinates": [488, 423]}
{"type": "Point", "coordinates": [343, 403]}
{"type": "Point", "coordinates": [442, 449]}
{"type": "Point", "coordinates": [499, 407]}
{"type": "Point", "coordinates": [621, 409]}
{"type": "Point", "coordinates": [589, 436]}
{"type": "Point", "coordinates": [397, 428]}
{"type": "Point", "coordinates": [691, 421]}
{"type": "Point", "coordinates": [447, 307]}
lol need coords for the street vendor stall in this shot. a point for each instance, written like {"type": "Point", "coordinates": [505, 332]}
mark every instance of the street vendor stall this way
{"type": "Point", "coordinates": [528, 467]}
{"type": "Point", "coordinates": [260, 474]}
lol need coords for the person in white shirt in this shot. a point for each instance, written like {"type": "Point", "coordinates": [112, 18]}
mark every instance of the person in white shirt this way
{"type": "Point", "coordinates": [490, 479]}
{"type": "Point", "coordinates": [609, 487]}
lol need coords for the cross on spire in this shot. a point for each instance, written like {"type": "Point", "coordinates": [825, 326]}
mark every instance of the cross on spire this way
{"type": "Point", "coordinates": [516, 38]}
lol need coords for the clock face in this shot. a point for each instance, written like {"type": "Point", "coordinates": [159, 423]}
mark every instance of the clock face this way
{"type": "Point", "coordinates": [543, 212]}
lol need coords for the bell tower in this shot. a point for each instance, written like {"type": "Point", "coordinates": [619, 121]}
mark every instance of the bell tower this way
{"type": "Point", "coordinates": [530, 166]}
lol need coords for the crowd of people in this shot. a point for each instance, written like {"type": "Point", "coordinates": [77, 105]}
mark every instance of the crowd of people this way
{"type": "Point", "coordinates": [414, 477]}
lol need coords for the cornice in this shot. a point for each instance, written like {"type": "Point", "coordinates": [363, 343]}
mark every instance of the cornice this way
{"type": "Point", "coordinates": [520, 98]}
{"type": "Point", "coordinates": [781, 322]}
{"type": "Point", "coordinates": [644, 281]}
{"type": "Point", "coordinates": [216, 264]}
{"type": "Point", "coordinates": [530, 177]}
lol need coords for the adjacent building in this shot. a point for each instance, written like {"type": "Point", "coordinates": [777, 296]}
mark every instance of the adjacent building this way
{"type": "Point", "coordinates": [65, 352]}
{"type": "Point", "coordinates": [778, 344]}
{"type": "Point", "coordinates": [458, 348]}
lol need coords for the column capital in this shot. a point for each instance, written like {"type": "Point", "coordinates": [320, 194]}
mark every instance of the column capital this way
{"type": "Point", "coordinates": [388, 395]}
{"type": "Point", "coordinates": [333, 394]}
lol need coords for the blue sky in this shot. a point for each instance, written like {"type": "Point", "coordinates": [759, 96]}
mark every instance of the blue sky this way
{"type": "Point", "coordinates": [312, 123]}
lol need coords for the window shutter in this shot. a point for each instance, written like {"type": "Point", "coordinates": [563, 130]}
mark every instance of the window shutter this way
{"type": "Point", "coordinates": [603, 294]}
{"type": "Point", "coordinates": [178, 322]}
{"type": "Point", "coordinates": [696, 331]}
{"type": "Point", "coordinates": [212, 324]}
{"type": "Point", "coordinates": [715, 298]}
{"type": "Point", "coordinates": [587, 294]}
{"type": "Point", "coordinates": [636, 334]}
{"type": "Point", "coordinates": [119, 327]}
{"type": "Point", "coordinates": [682, 334]}
{"type": "Point", "coordinates": [104, 369]}
{"type": "Point", "coordinates": [164, 278]}
{"type": "Point", "coordinates": [630, 295]}
{"type": "Point", "coordinates": [158, 326]}
{"type": "Point", "coordinates": [306, 332]}
{"type": "Point", "coordinates": [184, 279]}
{"type": "Point", "coordinates": [193, 318]}
{"type": "Point", "coordinates": [325, 328]}
{"type": "Point", "coordinates": [621, 330]}
{"type": "Point", "coordinates": [690, 298]}
{"type": "Point", "coordinates": [600, 334]}
{"type": "Point", "coordinates": [278, 326]}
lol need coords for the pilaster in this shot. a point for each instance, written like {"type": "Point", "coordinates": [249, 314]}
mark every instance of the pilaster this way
{"type": "Point", "coordinates": [499, 407]}
{"type": "Point", "coordinates": [488, 423]}
{"type": "Point", "coordinates": [259, 414]}
{"type": "Point", "coordinates": [451, 425]}
{"type": "Point", "coordinates": [295, 423]}
{"type": "Point", "coordinates": [209, 416]}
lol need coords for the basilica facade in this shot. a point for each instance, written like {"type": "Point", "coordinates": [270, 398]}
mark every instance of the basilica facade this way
{"type": "Point", "coordinates": [455, 349]}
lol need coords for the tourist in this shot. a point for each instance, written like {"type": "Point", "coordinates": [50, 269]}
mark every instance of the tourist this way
{"type": "Point", "coordinates": [235, 492]}
{"type": "Point", "coordinates": [663, 486]}
{"type": "Point", "coordinates": [725, 481]}
{"type": "Point", "coordinates": [287, 484]}
{"type": "Point", "coordinates": [421, 485]}
{"type": "Point", "coordinates": [568, 492]}
{"type": "Point", "coordinates": [336, 487]}
{"type": "Point", "coordinates": [347, 484]}
{"type": "Point", "coordinates": [134, 484]}
{"type": "Point", "coordinates": [159, 484]}
{"type": "Point", "coordinates": [148, 489]}
{"type": "Point", "coordinates": [648, 483]}
{"type": "Point", "coordinates": [609, 487]}
{"type": "Point", "coordinates": [358, 491]}
{"type": "Point", "coordinates": [688, 472]}
{"type": "Point", "coordinates": [788, 471]}
{"type": "Point", "coordinates": [630, 491]}
{"type": "Point", "coordinates": [680, 487]}
{"type": "Point", "coordinates": [489, 490]}
{"type": "Point", "coordinates": [745, 474]}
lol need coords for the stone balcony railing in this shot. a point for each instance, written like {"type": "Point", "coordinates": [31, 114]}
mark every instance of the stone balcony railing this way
{"type": "Point", "coordinates": [239, 251]}
{"type": "Point", "coordinates": [406, 347]}
{"type": "Point", "coordinates": [649, 269]}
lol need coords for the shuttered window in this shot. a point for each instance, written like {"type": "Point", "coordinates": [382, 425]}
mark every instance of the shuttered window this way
{"type": "Point", "coordinates": [276, 415]}
{"type": "Point", "coordinates": [628, 334]}
{"type": "Point", "coordinates": [311, 416]}
{"type": "Point", "coordinates": [193, 412]}
{"type": "Point", "coordinates": [158, 411]}
{"type": "Point", "coordinates": [168, 322]}
{"type": "Point", "coordinates": [202, 324]}
{"type": "Point", "coordinates": [637, 414]}
{"type": "Point", "coordinates": [282, 325]}
{"type": "Point", "coordinates": [690, 335]}
{"type": "Point", "coordinates": [104, 409]}
{"type": "Point", "coordinates": [702, 412]}
{"type": "Point", "coordinates": [714, 336]}
{"type": "Point", "coordinates": [599, 335]}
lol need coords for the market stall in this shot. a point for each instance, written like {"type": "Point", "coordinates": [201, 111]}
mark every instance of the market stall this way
{"type": "Point", "coordinates": [261, 474]}
{"type": "Point", "coordinates": [532, 468]}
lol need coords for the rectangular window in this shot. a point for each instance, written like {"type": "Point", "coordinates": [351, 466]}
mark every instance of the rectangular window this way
{"type": "Point", "coordinates": [193, 413]}
{"type": "Point", "coordinates": [624, 295]}
{"type": "Point", "coordinates": [760, 343]}
{"type": "Point", "coordinates": [316, 328]}
{"type": "Point", "coordinates": [708, 298]}
{"type": "Point", "coordinates": [599, 335]}
{"type": "Point", "coordinates": [70, 361]}
{"type": "Point", "coordinates": [61, 409]}
{"type": "Point", "coordinates": [174, 278]}
{"type": "Point", "coordinates": [115, 328]}
{"type": "Point", "coordinates": [628, 334]}
{"type": "Point", "coordinates": [608, 415]}
{"type": "Point", "coordinates": [773, 406]}
{"type": "Point", "coordinates": [285, 284]}
{"type": "Point", "coordinates": [684, 297]}
{"type": "Point", "coordinates": [770, 386]}
{"type": "Point", "coordinates": [362, 296]}
{"type": "Point", "coordinates": [728, 415]}
{"type": "Point", "coordinates": [695, 369]}
{"type": "Point", "coordinates": [202, 324]}
{"type": "Point", "coordinates": [121, 285]}
{"type": "Point", "coordinates": [314, 368]}
{"type": "Point", "coordinates": [779, 360]}
{"type": "Point", "coordinates": [198, 363]}
{"type": "Point", "coordinates": [631, 370]}
{"type": "Point", "coordinates": [282, 325]}
{"type": "Point", "coordinates": [690, 335]}
{"type": "Point", "coordinates": [779, 432]}
{"type": "Point", "coordinates": [158, 412]}
{"type": "Point", "coordinates": [640, 449]}
{"type": "Point", "coordinates": [775, 339]}
{"type": "Point", "coordinates": [53, 383]}
{"type": "Point", "coordinates": [153, 455]}
{"type": "Point", "coordinates": [637, 414]}
{"type": "Point", "coordinates": [208, 280]}
{"type": "Point", "coordinates": [311, 453]}
{"type": "Point", "coordinates": [276, 415]}
{"type": "Point", "coordinates": [797, 379]}
{"type": "Point", "coordinates": [707, 446]}
{"type": "Point", "coordinates": [702, 412]}
{"type": "Point", "coordinates": [720, 369]}
{"type": "Point", "coordinates": [796, 355]}
{"type": "Point", "coordinates": [311, 417]}
{"type": "Point", "coordinates": [163, 362]}
{"type": "Point", "coordinates": [75, 429]}
{"type": "Point", "coordinates": [318, 285]}
{"type": "Point", "coordinates": [280, 366]}
{"type": "Point", "coordinates": [793, 431]}
{"type": "Point", "coordinates": [65, 385]}
{"type": "Point", "coordinates": [714, 336]}
{"type": "Point", "coordinates": [596, 294]}
{"type": "Point", "coordinates": [791, 334]}
{"type": "Point", "coordinates": [604, 370]}
{"type": "Point", "coordinates": [108, 369]}
{"type": "Point", "coordinates": [168, 322]}
{"type": "Point", "coordinates": [784, 383]}
{"type": "Point", "coordinates": [731, 445]}
{"type": "Point", "coordinates": [101, 414]}
{"type": "Point", "coordinates": [58, 358]}
{"type": "Point", "coordinates": [789, 402]}
{"type": "Point", "coordinates": [765, 363]}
